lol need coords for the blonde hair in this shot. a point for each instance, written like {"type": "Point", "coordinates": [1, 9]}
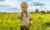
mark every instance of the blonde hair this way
{"type": "Point", "coordinates": [24, 4]}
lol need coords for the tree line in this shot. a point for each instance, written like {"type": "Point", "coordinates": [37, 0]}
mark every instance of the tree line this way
{"type": "Point", "coordinates": [42, 11]}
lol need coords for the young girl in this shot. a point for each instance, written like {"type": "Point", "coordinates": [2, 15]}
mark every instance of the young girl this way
{"type": "Point", "coordinates": [24, 16]}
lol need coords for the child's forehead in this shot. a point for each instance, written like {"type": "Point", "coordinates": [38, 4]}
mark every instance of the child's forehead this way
{"type": "Point", "coordinates": [24, 3]}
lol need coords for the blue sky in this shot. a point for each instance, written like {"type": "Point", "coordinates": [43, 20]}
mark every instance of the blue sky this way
{"type": "Point", "coordinates": [2, 0]}
{"type": "Point", "coordinates": [13, 5]}
{"type": "Point", "coordinates": [46, 1]}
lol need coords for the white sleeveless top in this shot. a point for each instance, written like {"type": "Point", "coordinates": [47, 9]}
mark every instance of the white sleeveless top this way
{"type": "Point", "coordinates": [25, 20]}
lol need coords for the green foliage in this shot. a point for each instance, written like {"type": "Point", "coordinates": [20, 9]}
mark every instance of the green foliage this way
{"type": "Point", "coordinates": [42, 12]}
{"type": "Point", "coordinates": [48, 12]}
{"type": "Point", "coordinates": [37, 10]}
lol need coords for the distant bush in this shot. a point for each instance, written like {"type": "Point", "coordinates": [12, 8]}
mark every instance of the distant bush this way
{"type": "Point", "coordinates": [42, 12]}
{"type": "Point", "coordinates": [48, 12]}
{"type": "Point", "coordinates": [32, 12]}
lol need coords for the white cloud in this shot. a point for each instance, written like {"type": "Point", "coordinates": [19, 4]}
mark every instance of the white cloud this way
{"type": "Point", "coordinates": [8, 2]}
{"type": "Point", "coordinates": [35, 0]}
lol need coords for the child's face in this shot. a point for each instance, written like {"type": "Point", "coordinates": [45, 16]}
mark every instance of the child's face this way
{"type": "Point", "coordinates": [24, 7]}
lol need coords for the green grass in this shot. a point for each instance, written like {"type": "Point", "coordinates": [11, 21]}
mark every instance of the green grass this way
{"type": "Point", "coordinates": [10, 21]}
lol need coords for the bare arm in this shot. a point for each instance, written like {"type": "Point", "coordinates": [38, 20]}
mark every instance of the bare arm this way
{"type": "Point", "coordinates": [19, 15]}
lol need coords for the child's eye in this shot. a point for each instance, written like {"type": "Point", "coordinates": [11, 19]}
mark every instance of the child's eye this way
{"type": "Point", "coordinates": [24, 7]}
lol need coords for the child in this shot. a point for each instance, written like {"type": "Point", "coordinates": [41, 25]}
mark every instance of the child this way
{"type": "Point", "coordinates": [24, 16]}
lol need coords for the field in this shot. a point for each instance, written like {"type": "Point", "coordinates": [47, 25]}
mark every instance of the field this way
{"type": "Point", "coordinates": [10, 21]}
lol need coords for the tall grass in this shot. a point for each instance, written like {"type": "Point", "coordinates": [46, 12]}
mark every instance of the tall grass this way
{"type": "Point", "coordinates": [10, 21]}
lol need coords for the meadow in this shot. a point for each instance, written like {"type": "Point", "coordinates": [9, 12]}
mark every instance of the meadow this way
{"type": "Point", "coordinates": [10, 21]}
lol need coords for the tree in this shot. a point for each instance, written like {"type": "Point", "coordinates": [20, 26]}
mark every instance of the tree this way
{"type": "Point", "coordinates": [37, 10]}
